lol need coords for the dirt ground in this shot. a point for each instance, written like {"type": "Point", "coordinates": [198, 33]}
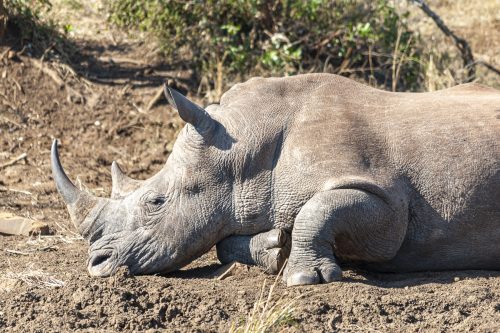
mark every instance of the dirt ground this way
{"type": "Point", "coordinates": [100, 115]}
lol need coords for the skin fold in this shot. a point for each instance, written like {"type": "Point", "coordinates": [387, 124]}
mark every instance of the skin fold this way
{"type": "Point", "coordinates": [315, 168]}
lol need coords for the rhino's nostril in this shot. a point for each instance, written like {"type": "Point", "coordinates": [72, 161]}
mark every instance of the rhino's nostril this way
{"type": "Point", "coordinates": [100, 259]}
{"type": "Point", "coordinates": [101, 262]}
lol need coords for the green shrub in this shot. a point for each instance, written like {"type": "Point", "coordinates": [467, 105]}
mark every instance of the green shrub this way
{"type": "Point", "coordinates": [248, 37]}
{"type": "Point", "coordinates": [29, 30]}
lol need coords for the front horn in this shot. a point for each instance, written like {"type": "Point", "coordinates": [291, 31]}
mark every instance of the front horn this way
{"type": "Point", "coordinates": [79, 202]}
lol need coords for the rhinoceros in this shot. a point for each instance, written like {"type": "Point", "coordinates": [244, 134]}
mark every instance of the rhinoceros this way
{"type": "Point", "coordinates": [392, 182]}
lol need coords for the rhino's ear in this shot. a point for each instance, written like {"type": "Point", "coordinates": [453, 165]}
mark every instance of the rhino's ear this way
{"type": "Point", "coordinates": [189, 112]}
{"type": "Point", "coordinates": [121, 183]}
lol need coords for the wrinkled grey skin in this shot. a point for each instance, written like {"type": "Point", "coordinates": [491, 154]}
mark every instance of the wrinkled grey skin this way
{"type": "Point", "coordinates": [394, 182]}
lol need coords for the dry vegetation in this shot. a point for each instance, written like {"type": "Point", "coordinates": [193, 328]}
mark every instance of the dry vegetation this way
{"type": "Point", "coordinates": [270, 313]}
{"type": "Point", "coordinates": [478, 22]}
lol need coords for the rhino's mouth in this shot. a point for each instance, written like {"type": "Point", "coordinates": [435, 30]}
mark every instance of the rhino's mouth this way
{"type": "Point", "coordinates": [101, 263]}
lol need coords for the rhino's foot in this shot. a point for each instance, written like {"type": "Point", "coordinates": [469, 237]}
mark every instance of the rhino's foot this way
{"type": "Point", "coordinates": [354, 223]}
{"type": "Point", "coordinates": [268, 250]}
{"type": "Point", "coordinates": [311, 267]}
{"type": "Point", "coordinates": [271, 249]}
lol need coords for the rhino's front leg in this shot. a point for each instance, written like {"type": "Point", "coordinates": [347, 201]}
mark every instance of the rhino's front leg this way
{"type": "Point", "coordinates": [268, 250]}
{"type": "Point", "coordinates": [347, 223]}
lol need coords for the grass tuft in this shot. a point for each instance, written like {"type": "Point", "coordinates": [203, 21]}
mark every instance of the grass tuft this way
{"type": "Point", "coordinates": [34, 277]}
{"type": "Point", "coordinates": [269, 314]}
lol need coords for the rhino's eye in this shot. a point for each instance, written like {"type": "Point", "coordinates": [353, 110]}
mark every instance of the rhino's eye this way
{"type": "Point", "coordinates": [157, 201]}
{"type": "Point", "coordinates": [154, 201]}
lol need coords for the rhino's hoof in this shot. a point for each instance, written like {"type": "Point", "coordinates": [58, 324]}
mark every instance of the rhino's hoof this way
{"type": "Point", "coordinates": [276, 238]}
{"type": "Point", "coordinates": [275, 260]}
{"type": "Point", "coordinates": [324, 274]}
{"type": "Point", "coordinates": [330, 274]}
{"type": "Point", "coordinates": [303, 278]}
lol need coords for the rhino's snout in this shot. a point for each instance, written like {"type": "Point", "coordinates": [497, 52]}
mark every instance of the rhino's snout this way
{"type": "Point", "coordinates": [100, 263]}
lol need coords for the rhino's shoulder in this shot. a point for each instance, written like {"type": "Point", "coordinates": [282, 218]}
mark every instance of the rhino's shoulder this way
{"type": "Point", "coordinates": [291, 86]}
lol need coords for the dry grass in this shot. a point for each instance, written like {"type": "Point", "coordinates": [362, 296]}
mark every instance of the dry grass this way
{"type": "Point", "coordinates": [437, 78]}
{"type": "Point", "coordinates": [269, 313]}
{"type": "Point", "coordinates": [34, 277]}
{"type": "Point", "coordinates": [476, 21]}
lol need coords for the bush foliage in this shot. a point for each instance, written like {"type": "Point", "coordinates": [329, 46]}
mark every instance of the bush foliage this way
{"type": "Point", "coordinates": [369, 39]}
{"type": "Point", "coordinates": [33, 33]}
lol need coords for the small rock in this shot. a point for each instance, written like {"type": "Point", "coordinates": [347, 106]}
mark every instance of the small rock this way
{"type": "Point", "coordinates": [456, 279]}
{"type": "Point", "coordinates": [11, 224]}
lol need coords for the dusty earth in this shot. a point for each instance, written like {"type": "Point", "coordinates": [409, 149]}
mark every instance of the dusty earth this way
{"type": "Point", "coordinates": [100, 114]}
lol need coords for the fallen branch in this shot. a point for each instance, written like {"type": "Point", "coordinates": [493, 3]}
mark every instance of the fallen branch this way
{"type": "Point", "coordinates": [30, 251]}
{"type": "Point", "coordinates": [461, 43]}
{"type": "Point", "coordinates": [17, 252]}
{"type": "Point", "coordinates": [489, 66]}
{"type": "Point", "coordinates": [14, 161]}
{"type": "Point", "coordinates": [226, 271]}
{"type": "Point", "coordinates": [122, 60]}
{"type": "Point", "coordinates": [158, 95]}
{"type": "Point", "coordinates": [49, 72]}
{"type": "Point", "coordinates": [7, 189]}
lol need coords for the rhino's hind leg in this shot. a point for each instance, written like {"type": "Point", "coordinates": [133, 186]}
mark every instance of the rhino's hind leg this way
{"type": "Point", "coordinates": [268, 250]}
{"type": "Point", "coordinates": [347, 223]}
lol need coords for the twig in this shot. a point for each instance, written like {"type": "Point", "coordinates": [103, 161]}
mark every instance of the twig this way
{"type": "Point", "coordinates": [158, 95]}
{"type": "Point", "coordinates": [7, 102]}
{"type": "Point", "coordinates": [402, 59]}
{"type": "Point", "coordinates": [138, 108]}
{"type": "Point", "coordinates": [76, 236]}
{"type": "Point", "coordinates": [18, 85]}
{"type": "Point", "coordinates": [4, 53]}
{"type": "Point", "coordinates": [17, 252]}
{"type": "Point", "coordinates": [395, 58]}
{"type": "Point", "coordinates": [227, 272]}
{"type": "Point", "coordinates": [4, 118]}
{"type": "Point", "coordinates": [14, 161]}
{"type": "Point", "coordinates": [49, 72]}
{"type": "Point", "coordinates": [461, 43]}
{"type": "Point", "coordinates": [122, 60]}
{"type": "Point", "coordinates": [489, 66]}
{"type": "Point", "coordinates": [47, 50]}
{"type": "Point", "coordinates": [6, 189]}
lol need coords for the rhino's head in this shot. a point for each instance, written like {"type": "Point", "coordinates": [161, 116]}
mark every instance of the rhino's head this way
{"type": "Point", "coordinates": [162, 223]}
